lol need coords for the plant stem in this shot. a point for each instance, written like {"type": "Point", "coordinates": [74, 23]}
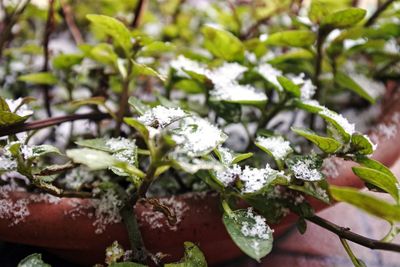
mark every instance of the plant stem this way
{"type": "Point", "coordinates": [377, 13]}
{"type": "Point", "coordinates": [139, 11]}
{"type": "Point", "coordinates": [345, 233]}
{"type": "Point", "coordinates": [123, 100]}
{"type": "Point", "coordinates": [318, 69]}
{"type": "Point", "coordinates": [70, 21]}
{"type": "Point", "coordinates": [10, 20]}
{"type": "Point", "coordinates": [353, 258]}
{"type": "Point", "coordinates": [46, 38]}
{"type": "Point", "coordinates": [128, 215]}
{"type": "Point", "coordinates": [40, 124]}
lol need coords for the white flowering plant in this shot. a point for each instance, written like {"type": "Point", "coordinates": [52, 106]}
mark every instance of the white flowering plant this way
{"type": "Point", "coordinates": [244, 98]}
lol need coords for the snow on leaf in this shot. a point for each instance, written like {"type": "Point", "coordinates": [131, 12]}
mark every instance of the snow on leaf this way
{"type": "Point", "coordinates": [160, 116]}
{"type": "Point", "coordinates": [196, 137]}
{"type": "Point", "coordinates": [278, 147]}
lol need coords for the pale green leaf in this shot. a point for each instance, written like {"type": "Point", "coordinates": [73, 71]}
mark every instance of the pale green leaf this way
{"type": "Point", "coordinates": [45, 78]}
{"type": "Point", "coordinates": [292, 38]}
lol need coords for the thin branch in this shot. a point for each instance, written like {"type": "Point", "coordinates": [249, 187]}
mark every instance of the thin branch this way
{"type": "Point", "coordinates": [345, 233]}
{"type": "Point", "coordinates": [123, 99]}
{"type": "Point", "coordinates": [70, 21]}
{"type": "Point", "coordinates": [35, 125]}
{"type": "Point", "coordinates": [9, 21]}
{"type": "Point", "coordinates": [46, 38]}
{"type": "Point", "coordinates": [377, 13]}
{"type": "Point", "coordinates": [139, 11]}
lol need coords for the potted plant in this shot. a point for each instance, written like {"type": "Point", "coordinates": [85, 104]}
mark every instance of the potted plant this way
{"type": "Point", "coordinates": [184, 133]}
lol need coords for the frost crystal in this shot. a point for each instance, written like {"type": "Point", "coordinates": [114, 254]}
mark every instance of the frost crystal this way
{"type": "Point", "coordinates": [7, 163]}
{"type": "Point", "coordinates": [254, 179]}
{"type": "Point", "coordinates": [342, 121]}
{"type": "Point", "coordinates": [226, 74]}
{"type": "Point", "coordinates": [307, 88]}
{"type": "Point", "coordinates": [106, 211]}
{"type": "Point", "coordinates": [182, 63]}
{"type": "Point", "coordinates": [77, 177]}
{"type": "Point", "coordinates": [258, 228]}
{"type": "Point", "coordinates": [303, 170]}
{"type": "Point", "coordinates": [229, 175]}
{"type": "Point", "coordinates": [161, 116]}
{"type": "Point", "coordinates": [22, 109]}
{"type": "Point", "coordinates": [237, 92]}
{"type": "Point", "coordinates": [197, 136]}
{"type": "Point", "coordinates": [124, 149]}
{"type": "Point", "coordinates": [270, 74]}
{"type": "Point", "coordinates": [278, 146]}
{"type": "Point", "coordinates": [226, 155]}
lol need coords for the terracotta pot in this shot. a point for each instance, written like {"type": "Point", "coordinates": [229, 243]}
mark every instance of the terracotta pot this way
{"type": "Point", "coordinates": [69, 231]}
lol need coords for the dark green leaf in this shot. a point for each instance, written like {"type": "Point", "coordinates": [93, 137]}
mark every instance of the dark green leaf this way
{"type": "Point", "coordinates": [222, 44]}
{"type": "Point", "coordinates": [126, 264]}
{"type": "Point", "coordinates": [326, 144]}
{"type": "Point", "coordinates": [370, 204]}
{"type": "Point", "coordinates": [34, 260]}
{"type": "Point", "coordinates": [301, 225]}
{"type": "Point", "coordinates": [255, 246]}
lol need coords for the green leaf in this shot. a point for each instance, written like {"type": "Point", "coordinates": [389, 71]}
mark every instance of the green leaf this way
{"type": "Point", "coordinates": [148, 71]}
{"type": "Point", "coordinates": [326, 144]}
{"type": "Point", "coordinates": [344, 18]}
{"type": "Point", "coordinates": [9, 118]}
{"type": "Point", "coordinates": [39, 78]}
{"type": "Point", "coordinates": [289, 86]}
{"type": "Point", "coordinates": [41, 150]}
{"type": "Point", "coordinates": [34, 260]}
{"type": "Point", "coordinates": [308, 105]}
{"type": "Point", "coordinates": [223, 44]}
{"type": "Point", "coordinates": [96, 100]}
{"type": "Point", "coordinates": [376, 165]}
{"type": "Point", "coordinates": [115, 28]}
{"type": "Point", "coordinates": [3, 105]}
{"type": "Point", "coordinates": [292, 38]}
{"type": "Point", "coordinates": [362, 145]}
{"type": "Point", "coordinates": [379, 179]}
{"type": "Point", "coordinates": [140, 127]}
{"type": "Point", "coordinates": [301, 225]}
{"type": "Point", "coordinates": [369, 204]}
{"type": "Point", "coordinates": [193, 257]}
{"type": "Point", "coordinates": [103, 53]}
{"type": "Point", "coordinates": [229, 157]}
{"type": "Point", "coordinates": [190, 86]}
{"type": "Point", "coordinates": [138, 105]}
{"type": "Point", "coordinates": [66, 61]}
{"type": "Point", "coordinates": [97, 143]}
{"type": "Point", "coordinates": [347, 82]}
{"type": "Point", "coordinates": [94, 159]}
{"type": "Point", "coordinates": [338, 126]}
{"type": "Point", "coordinates": [156, 48]}
{"type": "Point", "coordinates": [318, 190]}
{"type": "Point", "coordinates": [254, 245]}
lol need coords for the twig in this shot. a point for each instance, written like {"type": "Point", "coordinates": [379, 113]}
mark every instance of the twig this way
{"type": "Point", "coordinates": [377, 12]}
{"type": "Point", "coordinates": [139, 11]}
{"type": "Point", "coordinates": [10, 20]}
{"type": "Point", "coordinates": [345, 233]}
{"type": "Point", "coordinates": [46, 38]}
{"type": "Point", "coordinates": [123, 99]}
{"type": "Point", "coordinates": [40, 124]}
{"type": "Point", "coordinates": [70, 21]}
